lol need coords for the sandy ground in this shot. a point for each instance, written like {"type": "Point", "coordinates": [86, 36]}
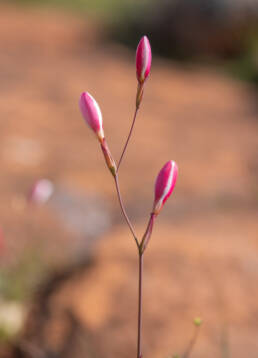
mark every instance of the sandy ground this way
{"type": "Point", "coordinates": [202, 259]}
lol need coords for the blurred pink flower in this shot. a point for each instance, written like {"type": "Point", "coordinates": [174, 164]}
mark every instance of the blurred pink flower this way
{"type": "Point", "coordinates": [143, 59]}
{"type": "Point", "coordinates": [92, 114]}
{"type": "Point", "coordinates": [41, 191]}
{"type": "Point", "coordinates": [165, 183]}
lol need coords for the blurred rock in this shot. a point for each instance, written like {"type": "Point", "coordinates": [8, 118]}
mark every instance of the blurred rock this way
{"type": "Point", "coordinates": [84, 215]}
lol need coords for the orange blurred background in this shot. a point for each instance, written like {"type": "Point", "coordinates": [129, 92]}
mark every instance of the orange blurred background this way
{"type": "Point", "coordinates": [68, 270]}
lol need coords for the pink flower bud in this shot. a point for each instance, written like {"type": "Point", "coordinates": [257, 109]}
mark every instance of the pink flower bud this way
{"type": "Point", "coordinates": [41, 191]}
{"type": "Point", "coordinates": [143, 59]}
{"type": "Point", "coordinates": [165, 183]}
{"type": "Point", "coordinates": [92, 114]}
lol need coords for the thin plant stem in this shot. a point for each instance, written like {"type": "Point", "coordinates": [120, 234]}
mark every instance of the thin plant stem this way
{"type": "Point", "coordinates": [139, 336]}
{"type": "Point", "coordinates": [124, 212]}
{"type": "Point", "coordinates": [191, 344]}
{"type": "Point", "coordinates": [128, 138]}
{"type": "Point", "coordinates": [224, 342]}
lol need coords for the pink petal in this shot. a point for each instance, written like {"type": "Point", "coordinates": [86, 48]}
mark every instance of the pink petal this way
{"type": "Point", "coordinates": [143, 59]}
{"type": "Point", "coordinates": [165, 183]}
{"type": "Point", "coordinates": [91, 113]}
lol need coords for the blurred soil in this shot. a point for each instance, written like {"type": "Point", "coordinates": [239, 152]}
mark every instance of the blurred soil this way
{"type": "Point", "coordinates": [203, 256]}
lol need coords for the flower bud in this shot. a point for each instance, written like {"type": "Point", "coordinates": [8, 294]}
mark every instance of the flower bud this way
{"type": "Point", "coordinates": [143, 59]}
{"type": "Point", "coordinates": [92, 114]}
{"type": "Point", "coordinates": [164, 185]}
{"type": "Point", "coordinates": [41, 191]}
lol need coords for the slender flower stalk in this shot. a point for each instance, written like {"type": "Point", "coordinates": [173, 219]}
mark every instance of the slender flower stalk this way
{"type": "Point", "coordinates": [147, 234]}
{"type": "Point", "coordinates": [128, 138]}
{"type": "Point", "coordinates": [108, 157]}
{"type": "Point", "coordinates": [164, 186]}
{"type": "Point", "coordinates": [139, 324]}
{"type": "Point", "coordinates": [197, 323]}
{"type": "Point", "coordinates": [123, 210]}
{"type": "Point", "coordinates": [143, 66]}
{"type": "Point", "coordinates": [139, 95]}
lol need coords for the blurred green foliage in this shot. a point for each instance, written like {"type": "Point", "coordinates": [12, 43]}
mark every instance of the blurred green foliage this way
{"type": "Point", "coordinates": [4, 336]}
{"type": "Point", "coordinates": [245, 66]}
{"type": "Point", "coordinates": [19, 281]}
{"type": "Point", "coordinates": [105, 8]}
{"type": "Point", "coordinates": [190, 33]}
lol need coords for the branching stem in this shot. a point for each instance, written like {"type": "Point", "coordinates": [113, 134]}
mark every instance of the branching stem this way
{"type": "Point", "coordinates": [123, 210]}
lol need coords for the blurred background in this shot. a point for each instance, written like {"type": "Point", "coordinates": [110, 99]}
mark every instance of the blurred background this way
{"type": "Point", "coordinates": [68, 265]}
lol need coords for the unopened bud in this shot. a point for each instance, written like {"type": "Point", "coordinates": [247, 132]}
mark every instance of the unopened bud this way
{"type": "Point", "coordinates": [143, 59]}
{"type": "Point", "coordinates": [92, 114]}
{"type": "Point", "coordinates": [165, 183]}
